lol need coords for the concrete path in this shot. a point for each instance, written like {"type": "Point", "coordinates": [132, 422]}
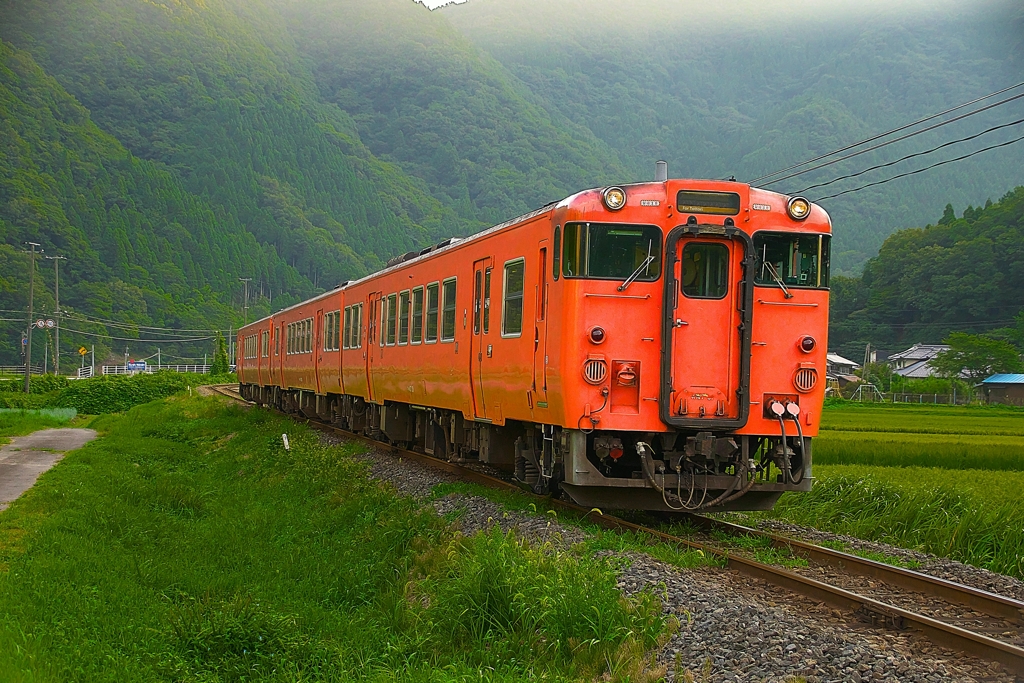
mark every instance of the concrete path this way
{"type": "Point", "coordinates": [26, 457]}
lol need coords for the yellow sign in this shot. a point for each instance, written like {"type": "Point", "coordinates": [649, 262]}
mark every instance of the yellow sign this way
{"type": "Point", "coordinates": [82, 351]}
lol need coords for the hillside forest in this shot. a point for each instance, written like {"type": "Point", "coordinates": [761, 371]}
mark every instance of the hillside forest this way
{"type": "Point", "coordinates": [169, 148]}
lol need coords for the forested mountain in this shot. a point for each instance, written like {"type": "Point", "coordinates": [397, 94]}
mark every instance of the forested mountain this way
{"type": "Point", "coordinates": [746, 88]}
{"type": "Point", "coordinates": [964, 274]}
{"type": "Point", "coordinates": [170, 147]}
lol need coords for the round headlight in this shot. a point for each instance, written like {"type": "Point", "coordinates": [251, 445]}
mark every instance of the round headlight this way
{"type": "Point", "coordinates": [798, 208]}
{"type": "Point", "coordinates": [614, 198]}
{"type": "Point", "coordinates": [597, 334]}
{"type": "Point", "coordinates": [807, 344]}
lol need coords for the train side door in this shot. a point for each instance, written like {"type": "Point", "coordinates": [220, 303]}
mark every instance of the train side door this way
{"type": "Point", "coordinates": [318, 348]}
{"type": "Point", "coordinates": [705, 326]}
{"type": "Point", "coordinates": [540, 331]}
{"type": "Point", "coordinates": [372, 330]}
{"type": "Point", "coordinates": [480, 349]}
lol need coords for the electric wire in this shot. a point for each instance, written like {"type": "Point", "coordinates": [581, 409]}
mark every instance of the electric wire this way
{"type": "Point", "coordinates": [910, 156]}
{"type": "Point", "coordinates": [889, 132]}
{"type": "Point", "coordinates": [120, 323]}
{"type": "Point", "coordinates": [920, 170]}
{"type": "Point", "coordinates": [133, 339]}
{"type": "Point", "coordinates": [893, 141]}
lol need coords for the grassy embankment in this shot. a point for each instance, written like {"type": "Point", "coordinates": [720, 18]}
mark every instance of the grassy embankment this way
{"type": "Point", "coordinates": [939, 479]}
{"type": "Point", "coordinates": [186, 544]}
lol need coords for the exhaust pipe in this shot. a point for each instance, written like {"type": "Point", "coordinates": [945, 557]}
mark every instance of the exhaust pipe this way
{"type": "Point", "coordinates": [660, 171]}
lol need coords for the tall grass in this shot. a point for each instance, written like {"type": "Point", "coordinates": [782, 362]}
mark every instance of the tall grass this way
{"type": "Point", "coordinates": [971, 516]}
{"type": "Point", "coordinates": [188, 545]}
{"type": "Point", "coordinates": [920, 450]}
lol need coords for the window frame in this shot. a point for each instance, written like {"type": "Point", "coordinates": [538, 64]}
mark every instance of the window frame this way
{"type": "Point", "coordinates": [824, 257]}
{"type": "Point", "coordinates": [415, 327]}
{"type": "Point", "coordinates": [556, 254]}
{"type": "Point", "coordinates": [586, 255]}
{"type": "Point", "coordinates": [357, 327]}
{"type": "Point", "coordinates": [436, 287]}
{"type": "Point", "coordinates": [391, 326]}
{"type": "Point", "coordinates": [505, 334]}
{"type": "Point", "coordinates": [728, 268]}
{"type": "Point", "coordinates": [442, 309]}
{"type": "Point", "coordinates": [346, 332]}
{"type": "Point", "coordinates": [405, 296]}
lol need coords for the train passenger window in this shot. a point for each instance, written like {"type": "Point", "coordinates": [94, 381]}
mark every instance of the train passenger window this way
{"type": "Point", "coordinates": [612, 251]}
{"type": "Point", "coordinates": [403, 317]}
{"type": "Point", "coordinates": [336, 334]}
{"type": "Point", "coordinates": [328, 328]}
{"type": "Point", "coordinates": [432, 308]}
{"type": "Point", "coordinates": [795, 260]}
{"type": "Point", "coordinates": [347, 334]}
{"type": "Point", "coordinates": [392, 318]}
{"type": "Point", "coordinates": [277, 342]}
{"type": "Point", "coordinates": [704, 273]}
{"type": "Point", "coordinates": [448, 311]}
{"type": "Point", "coordinates": [487, 300]}
{"type": "Point", "coordinates": [417, 315]}
{"type": "Point", "coordinates": [512, 306]}
{"type": "Point", "coordinates": [356, 342]}
{"type": "Point", "coordinates": [308, 347]}
{"type": "Point", "coordinates": [556, 256]}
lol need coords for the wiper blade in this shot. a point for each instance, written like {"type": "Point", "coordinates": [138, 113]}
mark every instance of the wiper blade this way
{"type": "Point", "coordinates": [778, 280]}
{"type": "Point", "coordinates": [642, 268]}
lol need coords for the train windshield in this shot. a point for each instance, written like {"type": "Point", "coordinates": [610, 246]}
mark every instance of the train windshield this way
{"type": "Point", "coordinates": [611, 251]}
{"type": "Point", "coordinates": [789, 260]}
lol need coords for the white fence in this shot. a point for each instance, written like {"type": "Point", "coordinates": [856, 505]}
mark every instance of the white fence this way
{"type": "Point", "coordinates": [150, 369]}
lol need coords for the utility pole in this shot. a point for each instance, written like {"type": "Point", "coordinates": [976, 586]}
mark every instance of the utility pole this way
{"type": "Point", "coordinates": [56, 295]}
{"type": "Point", "coordinates": [245, 306]}
{"type": "Point", "coordinates": [31, 293]}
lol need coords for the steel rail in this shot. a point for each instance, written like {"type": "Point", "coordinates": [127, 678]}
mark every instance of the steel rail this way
{"type": "Point", "coordinates": [878, 612]}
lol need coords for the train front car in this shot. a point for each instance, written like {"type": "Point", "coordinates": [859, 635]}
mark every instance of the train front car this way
{"type": "Point", "coordinates": [694, 321]}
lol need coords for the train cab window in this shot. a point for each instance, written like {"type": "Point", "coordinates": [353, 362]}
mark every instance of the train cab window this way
{"type": "Point", "coordinates": [704, 273]}
{"type": "Point", "coordinates": [417, 315]}
{"type": "Point", "coordinates": [792, 260]}
{"type": "Point", "coordinates": [448, 311]}
{"type": "Point", "coordinates": [392, 318]}
{"type": "Point", "coordinates": [432, 312]}
{"type": "Point", "coordinates": [610, 251]}
{"type": "Point", "coordinates": [556, 256]}
{"type": "Point", "coordinates": [403, 317]}
{"type": "Point", "coordinates": [512, 304]}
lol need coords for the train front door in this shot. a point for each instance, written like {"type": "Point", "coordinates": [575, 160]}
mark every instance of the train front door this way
{"type": "Point", "coordinates": [481, 350]}
{"type": "Point", "coordinates": [706, 335]}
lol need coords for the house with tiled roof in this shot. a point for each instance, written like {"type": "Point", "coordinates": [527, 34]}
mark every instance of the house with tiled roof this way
{"type": "Point", "coordinates": [914, 363]}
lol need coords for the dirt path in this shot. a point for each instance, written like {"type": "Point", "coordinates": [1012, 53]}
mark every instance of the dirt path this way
{"type": "Point", "coordinates": [26, 457]}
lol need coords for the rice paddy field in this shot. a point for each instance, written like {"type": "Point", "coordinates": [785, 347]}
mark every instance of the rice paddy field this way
{"type": "Point", "coordinates": [944, 480]}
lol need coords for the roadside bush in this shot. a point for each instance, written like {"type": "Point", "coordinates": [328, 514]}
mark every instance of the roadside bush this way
{"type": "Point", "coordinates": [38, 384]}
{"type": "Point", "coordinates": [118, 393]}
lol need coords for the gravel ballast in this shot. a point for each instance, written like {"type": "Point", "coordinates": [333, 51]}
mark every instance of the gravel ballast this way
{"type": "Point", "coordinates": [731, 627]}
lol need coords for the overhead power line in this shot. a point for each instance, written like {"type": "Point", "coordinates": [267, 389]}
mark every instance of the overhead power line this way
{"type": "Point", "coordinates": [911, 156]}
{"type": "Point", "coordinates": [885, 134]}
{"type": "Point", "coordinates": [894, 140]}
{"type": "Point", "coordinates": [148, 341]}
{"type": "Point", "coordinates": [920, 170]}
{"type": "Point", "coordinates": [150, 328]}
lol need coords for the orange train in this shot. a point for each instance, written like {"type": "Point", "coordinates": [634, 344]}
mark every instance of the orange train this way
{"type": "Point", "coordinates": [653, 346]}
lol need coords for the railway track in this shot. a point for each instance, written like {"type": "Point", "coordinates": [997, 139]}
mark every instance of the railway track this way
{"type": "Point", "coordinates": [973, 621]}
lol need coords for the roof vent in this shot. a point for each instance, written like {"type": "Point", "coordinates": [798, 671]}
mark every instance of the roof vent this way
{"type": "Point", "coordinates": [660, 171]}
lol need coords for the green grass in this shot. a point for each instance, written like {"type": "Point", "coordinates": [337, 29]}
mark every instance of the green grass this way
{"type": "Point", "coordinates": [186, 544]}
{"type": "Point", "coordinates": [18, 422]}
{"type": "Point", "coordinates": [910, 418]}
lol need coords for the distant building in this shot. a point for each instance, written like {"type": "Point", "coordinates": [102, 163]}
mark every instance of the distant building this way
{"type": "Point", "coordinates": [1008, 389]}
{"type": "Point", "coordinates": [914, 362]}
{"type": "Point", "coordinates": [837, 365]}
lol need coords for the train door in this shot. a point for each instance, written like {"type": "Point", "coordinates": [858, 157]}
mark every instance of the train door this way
{"type": "Point", "coordinates": [540, 331]}
{"type": "Point", "coordinates": [480, 350]}
{"type": "Point", "coordinates": [318, 348]}
{"type": "Point", "coordinates": [373, 304]}
{"type": "Point", "coordinates": [705, 329]}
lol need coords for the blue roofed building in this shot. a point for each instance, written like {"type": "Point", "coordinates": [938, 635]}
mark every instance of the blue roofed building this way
{"type": "Point", "coordinates": [1004, 388]}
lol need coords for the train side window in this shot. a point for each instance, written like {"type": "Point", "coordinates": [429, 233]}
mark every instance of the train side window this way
{"type": "Point", "coordinates": [336, 334]}
{"type": "Point", "coordinates": [288, 340]}
{"type": "Point", "coordinates": [487, 300]}
{"type": "Point", "coordinates": [556, 254]}
{"type": "Point", "coordinates": [357, 327]}
{"type": "Point", "coordinates": [512, 305]}
{"type": "Point", "coordinates": [417, 315]}
{"type": "Point", "coordinates": [705, 270]}
{"type": "Point", "coordinates": [433, 290]}
{"type": "Point", "coordinates": [392, 318]}
{"type": "Point", "coordinates": [328, 327]}
{"type": "Point", "coordinates": [403, 318]}
{"type": "Point", "coordinates": [309, 336]}
{"type": "Point", "coordinates": [277, 342]}
{"type": "Point", "coordinates": [383, 317]}
{"type": "Point", "coordinates": [347, 330]}
{"type": "Point", "coordinates": [448, 310]}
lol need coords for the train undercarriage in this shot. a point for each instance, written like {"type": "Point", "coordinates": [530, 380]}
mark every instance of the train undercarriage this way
{"type": "Point", "coordinates": [666, 471]}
